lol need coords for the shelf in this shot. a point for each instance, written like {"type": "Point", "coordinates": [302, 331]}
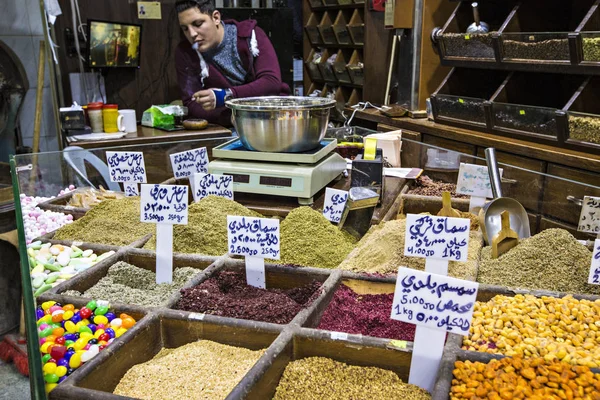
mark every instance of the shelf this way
{"type": "Point", "coordinates": [339, 46]}
{"type": "Point", "coordinates": [350, 85]}
{"type": "Point", "coordinates": [339, 7]}
{"type": "Point", "coordinates": [532, 66]}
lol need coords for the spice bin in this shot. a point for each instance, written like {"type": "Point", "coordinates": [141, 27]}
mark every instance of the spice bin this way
{"type": "Point", "coordinates": [525, 105]}
{"type": "Point", "coordinates": [340, 27]}
{"type": "Point", "coordinates": [356, 27]}
{"type": "Point", "coordinates": [461, 96]}
{"type": "Point", "coordinates": [455, 43]}
{"type": "Point", "coordinates": [168, 330]}
{"type": "Point", "coordinates": [326, 29]}
{"type": "Point", "coordinates": [355, 69]}
{"type": "Point", "coordinates": [325, 68]}
{"type": "Point", "coordinates": [312, 30]}
{"type": "Point", "coordinates": [312, 67]}
{"type": "Point", "coordinates": [61, 203]}
{"type": "Point", "coordinates": [581, 118]}
{"type": "Point", "coordinates": [339, 68]}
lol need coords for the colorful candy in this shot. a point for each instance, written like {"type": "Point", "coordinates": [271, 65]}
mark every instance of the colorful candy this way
{"type": "Point", "coordinates": [70, 337]}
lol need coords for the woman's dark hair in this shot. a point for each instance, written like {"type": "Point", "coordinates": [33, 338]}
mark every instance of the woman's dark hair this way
{"type": "Point", "coordinates": [205, 6]}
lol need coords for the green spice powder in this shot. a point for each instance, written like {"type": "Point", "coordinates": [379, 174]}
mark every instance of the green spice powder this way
{"type": "Point", "coordinates": [551, 260]}
{"type": "Point", "coordinates": [309, 239]}
{"type": "Point", "coordinates": [126, 283]}
{"type": "Point", "coordinates": [112, 222]}
{"type": "Point", "coordinates": [323, 378]}
{"type": "Point", "coordinates": [206, 231]}
{"type": "Point", "coordinates": [586, 129]}
{"type": "Point", "coordinates": [381, 250]}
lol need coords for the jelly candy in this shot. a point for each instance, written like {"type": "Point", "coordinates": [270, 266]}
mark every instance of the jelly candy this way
{"type": "Point", "coordinates": [85, 329]}
{"type": "Point", "coordinates": [100, 319]}
{"type": "Point", "coordinates": [61, 371]}
{"type": "Point", "coordinates": [67, 315]}
{"type": "Point", "coordinates": [51, 378]}
{"type": "Point", "coordinates": [70, 327]}
{"type": "Point", "coordinates": [49, 368]}
{"type": "Point", "coordinates": [110, 332]}
{"type": "Point", "coordinates": [58, 352]}
{"type": "Point", "coordinates": [116, 323]}
{"type": "Point", "coordinates": [49, 387]}
{"type": "Point", "coordinates": [75, 361]}
{"type": "Point", "coordinates": [45, 358]}
{"type": "Point", "coordinates": [110, 316]}
{"type": "Point", "coordinates": [76, 318]}
{"type": "Point", "coordinates": [101, 310]}
{"type": "Point", "coordinates": [91, 305]}
{"type": "Point", "coordinates": [60, 340]}
{"type": "Point", "coordinates": [85, 312]}
{"type": "Point", "coordinates": [63, 362]}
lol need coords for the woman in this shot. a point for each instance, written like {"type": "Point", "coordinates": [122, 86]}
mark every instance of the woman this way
{"type": "Point", "coordinates": [224, 59]}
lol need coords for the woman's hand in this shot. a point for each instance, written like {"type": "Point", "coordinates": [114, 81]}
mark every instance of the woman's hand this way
{"type": "Point", "coordinates": [206, 98]}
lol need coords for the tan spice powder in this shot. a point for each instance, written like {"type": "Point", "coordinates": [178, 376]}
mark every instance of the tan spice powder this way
{"type": "Point", "coordinates": [325, 379]}
{"type": "Point", "coordinates": [216, 369]}
{"type": "Point", "coordinates": [381, 250]}
{"type": "Point", "coordinates": [551, 260]}
{"type": "Point", "coordinates": [113, 222]}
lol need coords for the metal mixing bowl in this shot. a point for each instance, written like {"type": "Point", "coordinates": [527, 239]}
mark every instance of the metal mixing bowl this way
{"type": "Point", "coordinates": [281, 124]}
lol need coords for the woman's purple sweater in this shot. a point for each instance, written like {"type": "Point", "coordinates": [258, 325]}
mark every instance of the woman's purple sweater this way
{"type": "Point", "coordinates": [263, 75]}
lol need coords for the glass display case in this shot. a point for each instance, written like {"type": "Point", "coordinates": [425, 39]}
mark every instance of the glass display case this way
{"type": "Point", "coordinates": [550, 201]}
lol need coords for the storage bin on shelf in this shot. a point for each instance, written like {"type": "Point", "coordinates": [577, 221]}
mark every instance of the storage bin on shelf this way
{"type": "Point", "coordinates": [355, 69]}
{"type": "Point", "coordinates": [312, 30]}
{"type": "Point", "coordinates": [461, 96]}
{"type": "Point", "coordinates": [340, 27]}
{"type": "Point", "coordinates": [455, 42]}
{"type": "Point", "coordinates": [542, 33]}
{"type": "Point", "coordinates": [326, 28]}
{"type": "Point", "coordinates": [339, 68]}
{"type": "Point", "coordinates": [581, 118]}
{"type": "Point", "coordinates": [316, 3]}
{"type": "Point", "coordinates": [325, 68]}
{"type": "Point", "coordinates": [525, 105]}
{"type": "Point", "coordinates": [356, 27]}
{"type": "Point", "coordinates": [588, 38]}
{"type": "Point", "coordinates": [312, 67]}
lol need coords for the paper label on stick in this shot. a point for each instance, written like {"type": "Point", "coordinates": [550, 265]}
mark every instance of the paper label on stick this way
{"type": "Point", "coordinates": [594, 277]}
{"type": "Point", "coordinates": [190, 162]}
{"type": "Point", "coordinates": [441, 238]}
{"type": "Point", "coordinates": [255, 272]}
{"type": "Point", "coordinates": [207, 184]}
{"type": "Point", "coordinates": [335, 201]}
{"type": "Point", "coordinates": [164, 204]}
{"type": "Point", "coordinates": [254, 237]}
{"type": "Point", "coordinates": [474, 180]}
{"type": "Point", "coordinates": [126, 166]}
{"type": "Point", "coordinates": [589, 219]}
{"type": "Point", "coordinates": [434, 301]}
{"type": "Point", "coordinates": [164, 253]}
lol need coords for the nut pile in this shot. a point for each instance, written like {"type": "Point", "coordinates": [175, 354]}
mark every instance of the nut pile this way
{"type": "Point", "coordinates": [425, 186]}
{"type": "Point", "coordinates": [518, 378]}
{"type": "Point", "coordinates": [565, 328]}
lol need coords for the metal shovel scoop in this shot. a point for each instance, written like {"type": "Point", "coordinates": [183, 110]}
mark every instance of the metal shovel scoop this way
{"type": "Point", "coordinates": [478, 26]}
{"type": "Point", "coordinates": [359, 209]}
{"type": "Point", "coordinates": [490, 216]}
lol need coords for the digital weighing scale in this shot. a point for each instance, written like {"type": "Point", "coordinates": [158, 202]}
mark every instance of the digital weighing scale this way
{"type": "Point", "coordinates": [298, 175]}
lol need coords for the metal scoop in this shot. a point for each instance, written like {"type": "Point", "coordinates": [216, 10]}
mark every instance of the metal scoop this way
{"type": "Point", "coordinates": [490, 216]}
{"type": "Point", "coordinates": [478, 26]}
{"type": "Point", "coordinates": [359, 209]}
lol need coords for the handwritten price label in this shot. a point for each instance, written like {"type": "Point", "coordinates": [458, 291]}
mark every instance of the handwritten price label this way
{"type": "Point", "coordinates": [335, 201]}
{"type": "Point", "coordinates": [253, 237]}
{"type": "Point", "coordinates": [474, 180]}
{"type": "Point", "coordinates": [126, 166]}
{"type": "Point", "coordinates": [164, 204]}
{"type": "Point", "coordinates": [188, 163]}
{"type": "Point", "coordinates": [434, 301]}
{"type": "Point", "coordinates": [594, 277]}
{"type": "Point", "coordinates": [440, 238]}
{"type": "Point", "coordinates": [589, 219]}
{"type": "Point", "coordinates": [218, 185]}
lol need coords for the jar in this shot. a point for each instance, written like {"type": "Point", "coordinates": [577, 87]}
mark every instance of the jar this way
{"type": "Point", "coordinates": [110, 113]}
{"type": "Point", "coordinates": [94, 111]}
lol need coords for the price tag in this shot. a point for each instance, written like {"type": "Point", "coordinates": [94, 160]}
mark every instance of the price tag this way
{"type": "Point", "coordinates": [335, 201]}
{"type": "Point", "coordinates": [339, 336]}
{"type": "Point", "coordinates": [190, 162]}
{"type": "Point", "coordinates": [434, 301]}
{"type": "Point", "coordinates": [164, 205]}
{"type": "Point", "coordinates": [589, 219]}
{"type": "Point", "coordinates": [256, 239]}
{"type": "Point", "coordinates": [207, 184]}
{"type": "Point", "coordinates": [474, 181]}
{"type": "Point", "coordinates": [440, 238]}
{"type": "Point", "coordinates": [594, 277]}
{"type": "Point", "coordinates": [127, 167]}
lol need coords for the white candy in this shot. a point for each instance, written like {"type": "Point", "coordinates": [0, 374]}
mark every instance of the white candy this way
{"type": "Point", "coordinates": [54, 250]}
{"type": "Point", "coordinates": [116, 323]}
{"type": "Point", "coordinates": [90, 353]}
{"type": "Point", "coordinates": [87, 253]}
{"type": "Point", "coordinates": [63, 259]}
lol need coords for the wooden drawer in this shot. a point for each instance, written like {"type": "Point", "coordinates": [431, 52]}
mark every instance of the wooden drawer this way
{"type": "Point", "coordinates": [523, 186]}
{"type": "Point", "coordinates": [547, 223]}
{"type": "Point", "coordinates": [555, 204]}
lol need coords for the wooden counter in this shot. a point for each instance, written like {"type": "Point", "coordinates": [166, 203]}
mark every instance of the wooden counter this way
{"type": "Point", "coordinates": [146, 135]}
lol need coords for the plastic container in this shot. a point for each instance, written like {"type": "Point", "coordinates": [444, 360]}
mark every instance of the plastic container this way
{"type": "Point", "coordinates": [94, 111]}
{"type": "Point", "coordinates": [110, 113]}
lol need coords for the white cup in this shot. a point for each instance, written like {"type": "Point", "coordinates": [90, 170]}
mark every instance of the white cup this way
{"type": "Point", "coordinates": [126, 121]}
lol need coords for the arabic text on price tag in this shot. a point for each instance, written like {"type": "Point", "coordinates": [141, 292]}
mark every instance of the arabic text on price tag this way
{"type": "Point", "coordinates": [441, 238]}
{"type": "Point", "coordinates": [189, 162]}
{"type": "Point", "coordinates": [474, 180]}
{"type": "Point", "coordinates": [434, 301]}
{"type": "Point", "coordinates": [164, 204]}
{"type": "Point", "coordinates": [254, 237]}
{"type": "Point", "coordinates": [218, 185]}
{"type": "Point", "coordinates": [594, 278]}
{"type": "Point", "coordinates": [589, 219]}
{"type": "Point", "coordinates": [335, 201]}
{"type": "Point", "coordinates": [126, 166]}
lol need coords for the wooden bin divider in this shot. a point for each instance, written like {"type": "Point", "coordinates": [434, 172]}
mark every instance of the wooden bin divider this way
{"type": "Point", "coordinates": [356, 27]}
{"type": "Point", "coordinates": [312, 30]}
{"type": "Point", "coordinates": [339, 68]}
{"type": "Point", "coordinates": [355, 69]}
{"type": "Point", "coordinates": [340, 28]}
{"type": "Point", "coordinates": [326, 29]}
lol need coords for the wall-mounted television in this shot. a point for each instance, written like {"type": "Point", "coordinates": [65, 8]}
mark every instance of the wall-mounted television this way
{"type": "Point", "coordinates": [113, 44]}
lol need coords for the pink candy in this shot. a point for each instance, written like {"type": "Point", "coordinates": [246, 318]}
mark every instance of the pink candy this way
{"type": "Point", "coordinates": [38, 222]}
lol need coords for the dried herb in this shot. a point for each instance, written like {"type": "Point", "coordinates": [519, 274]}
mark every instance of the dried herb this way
{"type": "Point", "coordinates": [206, 231]}
{"type": "Point", "coordinates": [323, 378]}
{"type": "Point", "coordinates": [551, 260]}
{"type": "Point", "coordinates": [586, 129]}
{"type": "Point", "coordinates": [113, 222]}
{"type": "Point", "coordinates": [541, 121]}
{"type": "Point", "coordinates": [216, 369]}
{"type": "Point", "coordinates": [381, 250]}
{"type": "Point", "coordinates": [227, 294]}
{"type": "Point", "coordinates": [591, 49]}
{"type": "Point", "coordinates": [365, 314]}
{"type": "Point", "coordinates": [552, 49]}
{"type": "Point", "coordinates": [309, 239]}
{"type": "Point", "coordinates": [478, 45]}
{"type": "Point", "coordinates": [467, 110]}
{"type": "Point", "coordinates": [425, 186]}
{"type": "Point", "coordinates": [126, 283]}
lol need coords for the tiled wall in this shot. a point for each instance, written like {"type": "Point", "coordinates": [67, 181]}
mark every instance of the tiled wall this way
{"type": "Point", "coordinates": [22, 30]}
